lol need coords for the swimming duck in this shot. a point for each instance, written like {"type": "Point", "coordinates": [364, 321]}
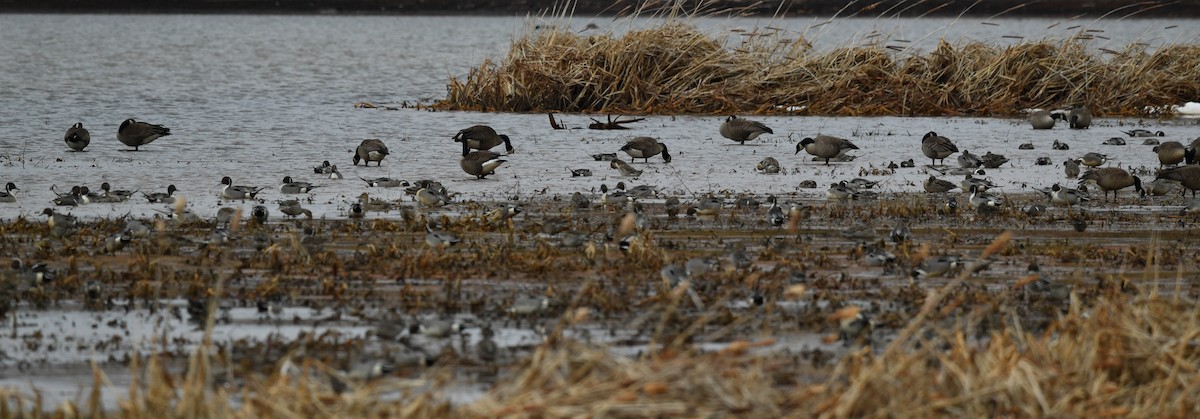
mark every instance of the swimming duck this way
{"type": "Point", "coordinates": [1112, 179]}
{"type": "Point", "coordinates": [429, 199]}
{"type": "Point", "coordinates": [230, 191]}
{"type": "Point", "coordinates": [160, 197]}
{"type": "Point", "coordinates": [479, 163]}
{"type": "Point", "coordinates": [292, 187]}
{"type": "Point", "coordinates": [825, 146]}
{"type": "Point", "coordinates": [605, 156]}
{"type": "Point", "coordinates": [1114, 141]}
{"type": "Point", "coordinates": [6, 196]}
{"type": "Point", "coordinates": [292, 208]}
{"type": "Point", "coordinates": [334, 174]}
{"type": "Point", "coordinates": [110, 195]}
{"type": "Point", "coordinates": [625, 169]}
{"type": "Point", "coordinates": [840, 192]}
{"type": "Point", "coordinates": [58, 220]}
{"type": "Point", "coordinates": [483, 137]}
{"type": "Point", "coordinates": [1041, 119]}
{"type": "Point", "coordinates": [136, 134]}
{"type": "Point", "coordinates": [384, 182]}
{"type": "Point", "coordinates": [742, 130]}
{"type": "Point", "coordinates": [1170, 153]}
{"type": "Point", "coordinates": [645, 148]}
{"type": "Point", "coordinates": [370, 151]}
{"type": "Point", "coordinates": [78, 137]}
{"type": "Point", "coordinates": [580, 172]}
{"type": "Point", "coordinates": [937, 147]}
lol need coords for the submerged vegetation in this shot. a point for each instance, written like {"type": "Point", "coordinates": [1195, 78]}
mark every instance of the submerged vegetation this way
{"type": "Point", "coordinates": [677, 68]}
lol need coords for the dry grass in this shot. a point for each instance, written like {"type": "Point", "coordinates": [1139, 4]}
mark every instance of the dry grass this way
{"type": "Point", "coordinates": [676, 68]}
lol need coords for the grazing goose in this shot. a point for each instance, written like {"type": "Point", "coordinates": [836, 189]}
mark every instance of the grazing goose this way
{"type": "Point", "coordinates": [1112, 179]}
{"type": "Point", "coordinates": [483, 137]}
{"type": "Point", "coordinates": [742, 130]}
{"type": "Point", "coordinates": [1079, 117]}
{"type": "Point", "coordinates": [324, 169]}
{"type": "Point", "coordinates": [645, 148]}
{"type": "Point", "coordinates": [1190, 157]}
{"type": "Point", "coordinates": [6, 195]}
{"type": "Point", "coordinates": [1144, 133]}
{"type": "Point", "coordinates": [1071, 167]}
{"type": "Point", "coordinates": [1065, 196]}
{"type": "Point", "coordinates": [230, 191]}
{"type": "Point", "coordinates": [78, 137]}
{"type": "Point", "coordinates": [1170, 153]}
{"type": "Point", "coordinates": [479, 163]}
{"type": "Point", "coordinates": [935, 185]}
{"type": "Point", "coordinates": [291, 187]}
{"type": "Point", "coordinates": [993, 161]}
{"type": "Point", "coordinates": [937, 147]}
{"type": "Point", "coordinates": [1093, 159]}
{"type": "Point", "coordinates": [1188, 176]}
{"type": "Point", "coordinates": [1041, 119]}
{"type": "Point", "coordinates": [966, 160]}
{"type": "Point", "coordinates": [626, 169]}
{"type": "Point", "coordinates": [370, 151]}
{"type": "Point", "coordinates": [161, 197]}
{"type": "Point", "coordinates": [768, 165]}
{"type": "Point", "coordinates": [136, 134]}
{"type": "Point", "coordinates": [825, 146]}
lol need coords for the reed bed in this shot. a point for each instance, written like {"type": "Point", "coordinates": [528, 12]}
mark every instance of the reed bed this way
{"type": "Point", "coordinates": [676, 68]}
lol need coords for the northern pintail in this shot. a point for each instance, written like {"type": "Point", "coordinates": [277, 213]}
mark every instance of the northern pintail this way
{"type": "Point", "coordinates": [483, 137]}
{"type": "Point", "coordinates": [78, 137]}
{"type": "Point", "coordinates": [825, 146]}
{"type": "Point", "coordinates": [6, 195]}
{"type": "Point", "coordinates": [136, 134]}
{"type": "Point", "coordinates": [1080, 117]}
{"type": "Point", "coordinates": [1114, 141]}
{"type": "Point", "coordinates": [768, 165]}
{"type": "Point", "coordinates": [1150, 141]}
{"type": "Point", "coordinates": [437, 328]}
{"type": "Point", "coordinates": [429, 199]}
{"type": "Point", "coordinates": [109, 195]}
{"type": "Point", "coordinates": [1188, 176]}
{"type": "Point", "coordinates": [528, 306]}
{"type": "Point", "coordinates": [742, 130]}
{"type": "Point", "coordinates": [231, 191]}
{"type": "Point", "coordinates": [1138, 132]}
{"type": "Point", "coordinates": [860, 183]}
{"type": "Point", "coordinates": [982, 201]}
{"type": "Point", "coordinates": [479, 163]}
{"type": "Point", "coordinates": [78, 195]}
{"type": "Point", "coordinates": [645, 148]}
{"type": "Point", "coordinates": [1170, 153]}
{"type": "Point", "coordinates": [1071, 168]}
{"type": "Point", "coordinates": [966, 160]}
{"type": "Point", "coordinates": [292, 208]}
{"type": "Point", "coordinates": [440, 239]}
{"type": "Point", "coordinates": [324, 168]}
{"type": "Point", "coordinates": [370, 151]}
{"type": "Point", "coordinates": [116, 242]}
{"type": "Point", "coordinates": [1041, 119]}
{"type": "Point", "coordinates": [840, 192]}
{"type": "Point", "coordinates": [1066, 196]}
{"type": "Point", "coordinates": [775, 214]}
{"type": "Point", "coordinates": [1058, 145]}
{"type": "Point", "coordinates": [935, 185]}
{"type": "Point", "coordinates": [384, 182]}
{"type": "Point", "coordinates": [1093, 159]}
{"type": "Point", "coordinates": [936, 266]}
{"type": "Point", "coordinates": [625, 169]}
{"type": "Point", "coordinates": [161, 197]}
{"type": "Point", "coordinates": [259, 214]}
{"type": "Point", "coordinates": [58, 220]}
{"type": "Point", "coordinates": [502, 214]}
{"type": "Point", "coordinates": [373, 204]}
{"type": "Point", "coordinates": [982, 184]}
{"type": "Point", "coordinates": [580, 172]}
{"type": "Point", "coordinates": [993, 161]}
{"type": "Point", "coordinates": [1112, 179]}
{"type": "Point", "coordinates": [291, 187]}
{"type": "Point", "coordinates": [334, 174]}
{"type": "Point", "coordinates": [937, 147]}
{"type": "Point", "coordinates": [605, 156]}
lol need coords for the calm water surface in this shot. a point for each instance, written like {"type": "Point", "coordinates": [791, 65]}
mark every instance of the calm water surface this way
{"type": "Point", "coordinates": [260, 97]}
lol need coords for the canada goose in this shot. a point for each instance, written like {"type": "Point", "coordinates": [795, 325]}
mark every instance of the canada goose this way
{"type": "Point", "coordinates": [6, 195]}
{"type": "Point", "coordinates": [742, 130]}
{"type": "Point", "coordinates": [645, 148]}
{"type": "Point", "coordinates": [230, 191]}
{"type": "Point", "coordinates": [825, 146]}
{"type": "Point", "coordinates": [1188, 176]}
{"type": "Point", "coordinates": [1170, 153]}
{"type": "Point", "coordinates": [1093, 159]}
{"type": "Point", "coordinates": [1191, 151]}
{"type": "Point", "coordinates": [1079, 117]}
{"type": "Point", "coordinates": [768, 165]}
{"type": "Point", "coordinates": [935, 185]}
{"type": "Point", "coordinates": [1041, 119]}
{"type": "Point", "coordinates": [1112, 179]}
{"type": "Point", "coordinates": [479, 163]}
{"type": "Point", "coordinates": [993, 161]}
{"type": "Point", "coordinates": [625, 168]}
{"type": "Point", "coordinates": [1071, 167]}
{"type": "Point", "coordinates": [370, 151]}
{"type": "Point", "coordinates": [78, 137]}
{"type": "Point", "coordinates": [483, 137]}
{"type": "Point", "coordinates": [160, 197]}
{"type": "Point", "coordinates": [291, 187]}
{"type": "Point", "coordinates": [937, 147]}
{"type": "Point", "coordinates": [966, 160]}
{"type": "Point", "coordinates": [1144, 133]}
{"type": "Point", "coordinates": [136, 134]}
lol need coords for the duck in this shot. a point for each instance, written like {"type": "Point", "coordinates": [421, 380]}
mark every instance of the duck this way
{"type": "Point", "coordinates": [993, 161]}
{"type": "Point", "coordinates": [1066, 196]}
{"type": "Point", "coordinates": [78, 195]}
{"type": "Point", "coordinates": [935, 267]}
{"type": "Point", "coordinates": [384, 182]}
{"type": "Point", "coordinates": [937, 147]}
{"type": "Point", "coordinates": [605, 156]}
{"type": "Point", "coordinates": [292, 208]}
{"type": "Point", "coordinates": [775, 214]}
{"type": "Point", "coordinates": [161, 197]}
{"type": "Point", "coordinates": [970, 181]}
{"type": "Point", "coordinates": [1161, 187]}
{"type": "Point", "coordinates": [1025, 146]}
{"type": "Point", "coordinates": [334, 174]}
{"type": "Point", "coordinates": [225, 215]}
{"type": "Point", "coordinates": [77, 137]}
{"type": "Point", "coordinates": [429, 199]}
{"type": "Point", "coordinates": [483, 137]}
{"type": "Point", "coordinates": [908, 163]}
{"type": "Point", "coordinates": [527, 306]}
{"type": "Point", "coordinates": [479, 163]}
{"type": "Point", "coordinates": [487, 350]}
{"type": "Point", "coordinates": [1150, 141]}
{"type": "Point", "coordinates": [768, 165]}
{"type": "Point", "coordinates": [1112, 179]}
{"type": "Point", "coordinates": [840, 192]}
{"type": "Point", "coordinates": [1041, 119]}
{"type": "Point", "coordinates": [440, 239]}
{"type": "Point", "coordinates": [580, 172]}
{"type": "Point", "coordinates": [373, 204]}
{"type": "Point", "coordinates": [612, 196]}
{"type": "Point", "coordinates": [1114, 141]}
{"type": "Point", "coordinates": [502, 214]}
{"type": "Point", "coordinates": [1071, 167]}
{"type": "Point", "coordinates": [626, 169]}
{"type": "Point", "coordinates": [966, 160]}
{"type": "Point", "coordinates": [1188, 176]}
{"type": "Point", "coordinates": [259, 214]}
{"type": "Point", "coordinates": [356, 211]}
{"type": "Point", "coordinates": [1079, 117]}
{"type": "Point", "coordinates": [645, 148]}
{"type": "Point", "coordinates": [110, 195]}
{"type": "Point", "coordinates": [136, 133]}
{"type": "Point", "coordinates": [56, 219]}
{"type": "Point", "coordinates": [860, 183]}
{"type": "Point", "coordinates": [742, 130]}
{"type": "Point", "coordinates": [982, 201]}
{"type": "Point", "coordinates": [292, 187]}
{"type": "Point", "coordinates": [825, 146]}
{"type": "Point", "coordinates": [935, 185]}
{"type": "Point", "coordinates": [230, 191]}
{"type": "Point", "coordinates": [6, 196]}
{"type": "Point", "coordinates": [1093, 159]}
{"type": "Point", "coordinates": [1059, 145]}
{"type": "Point", "coordinates": [1170, 153]}
{"type": "Point", "coordinates": [1138, 132]}
{"type": "Point", "coordinates": [324, 168]}
{"type": "Point", "coordinates": [437, 328]}
{"type": "Point", "coordinates": [370, 151]}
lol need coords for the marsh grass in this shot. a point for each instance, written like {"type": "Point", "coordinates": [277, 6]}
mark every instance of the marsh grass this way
{"type": "Point", "coordinates": [676, 68]}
